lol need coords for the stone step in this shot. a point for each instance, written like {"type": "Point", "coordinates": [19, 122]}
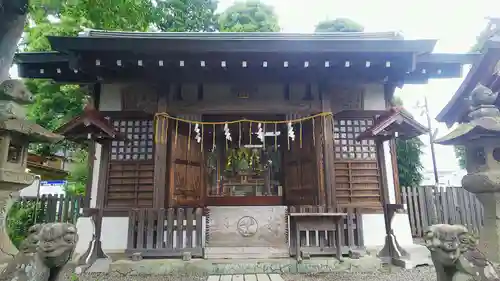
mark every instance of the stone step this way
{"type": "Point", "coordinates": [245, 277]}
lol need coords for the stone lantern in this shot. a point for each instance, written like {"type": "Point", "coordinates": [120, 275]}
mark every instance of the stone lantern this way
{"type": "Point", "coordinates": [480, 136]}
{"type": "Point", "coordinates": [15, 135]}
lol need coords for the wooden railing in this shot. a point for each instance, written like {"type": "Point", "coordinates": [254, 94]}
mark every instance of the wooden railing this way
{"type": "Point", "coordinates": [166, 232]}
{"type": "Point", "coordinates": [322, 242]}
{"type": "Point", "coordinates": [428, 205]}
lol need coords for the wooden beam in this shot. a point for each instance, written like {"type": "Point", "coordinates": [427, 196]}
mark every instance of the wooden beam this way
{"type": "Point", "coordinates": [328, 151]}
{"type": "Point", "coordinates": [161, 158]}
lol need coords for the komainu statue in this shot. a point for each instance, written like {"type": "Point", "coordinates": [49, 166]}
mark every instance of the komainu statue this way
{"type": "Point", "coordinates": [455, 255]}
{"type": "Point", "coordinates": [43, 254]}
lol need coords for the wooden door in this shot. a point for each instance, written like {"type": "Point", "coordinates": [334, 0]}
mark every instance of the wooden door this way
{"type": "Point", "coordinates": [187, 181]}
{"type": "Point", "coordinates": [300, 168]}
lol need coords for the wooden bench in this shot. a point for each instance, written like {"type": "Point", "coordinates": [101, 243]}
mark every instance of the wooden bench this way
{"type": "Point", "coordinates": [317, 222]}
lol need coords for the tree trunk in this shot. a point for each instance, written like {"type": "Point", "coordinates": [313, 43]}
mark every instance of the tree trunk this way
{"type": "Point", "coordinates": [13, 15]}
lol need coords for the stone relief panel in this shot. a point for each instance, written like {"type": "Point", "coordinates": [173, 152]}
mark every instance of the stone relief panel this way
{"type": "Point", "coordinates": [139, 97]}
{"type": "Point", "coordinates": [252, 226]}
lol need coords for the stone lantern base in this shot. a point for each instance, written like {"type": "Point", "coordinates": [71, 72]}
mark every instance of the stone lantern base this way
{"type": "Point", "coordinates": [489, 240]}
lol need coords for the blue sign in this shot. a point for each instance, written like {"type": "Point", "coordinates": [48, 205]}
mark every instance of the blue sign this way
{"type": "Point", "coordinates": [53, 183]}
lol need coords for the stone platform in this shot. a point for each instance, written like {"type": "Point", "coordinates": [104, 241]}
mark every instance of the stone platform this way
{"type": "Point", "coordinates": [245, 277]}
{"type": "Point", "coordinates": [246, 266]}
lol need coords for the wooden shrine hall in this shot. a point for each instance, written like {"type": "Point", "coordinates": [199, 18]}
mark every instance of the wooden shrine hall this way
{"type": "Point", "coordinates": [228, 145]}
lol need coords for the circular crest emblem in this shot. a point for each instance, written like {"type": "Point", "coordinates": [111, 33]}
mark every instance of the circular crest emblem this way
{"type": "Point", "coordinates": [247, 226]}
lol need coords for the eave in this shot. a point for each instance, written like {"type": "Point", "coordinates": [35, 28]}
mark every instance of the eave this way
{"type": "Point", "coordinates": [217, 67]}
{"type": "Point", "coordinates": [481, 72]}
{"type": "Point", "coordinates": [91, 124]}
{"type": "Point", "coordinates": [395, 122]}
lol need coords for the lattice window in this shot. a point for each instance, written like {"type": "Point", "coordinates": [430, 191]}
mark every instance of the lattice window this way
{"type": "Point", "coordinates": [346, 146]}
{"type": "Point", "coordinates": [131, 167]}
{"type": "Point", "coordinates": [140, 146]}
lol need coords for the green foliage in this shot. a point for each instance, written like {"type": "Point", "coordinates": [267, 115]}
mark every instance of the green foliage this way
{"type": "Point", "coordinates": [409, 164]}
{"type": "Point", "coordinates": [408, 154]}
{"type": "Point", "coordinates": [78, 175]}
{"type": "Point", "coordinates": [461, 156]}
{"type": "Point", "coordinates": [186, 15]}
{"type": "Point", "coordinates": [20, 218]}
{"type": "Point", "coordinates": [339, 25]}
{"type": "Point", "coordinates": [249, 16]}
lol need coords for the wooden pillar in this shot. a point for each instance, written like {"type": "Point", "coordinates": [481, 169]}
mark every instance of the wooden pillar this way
{"type": "Point", "coordinates": [161, 159]}
{"type": "Point", "coordinates": [383, 176]}
{"type": "Point", "coordinates": [395, 171]}
{"type": "Point", "coordinates": [328, 153]}
{"type": "Point", "coordinates": [318, 149]}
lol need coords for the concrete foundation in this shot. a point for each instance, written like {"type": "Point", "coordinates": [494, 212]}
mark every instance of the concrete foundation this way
{"type": "Point", "coordinates": [242, 266]}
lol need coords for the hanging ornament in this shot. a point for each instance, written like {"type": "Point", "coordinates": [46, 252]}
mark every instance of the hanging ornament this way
{"type": "Point", "coordinates": [260, 132]}
{"type": "Point", "coordinates": [197, 137]}
{"type": "Point", "coordinates": [227, 133]}
{"type": "Point", "coordinates": [291, 133]}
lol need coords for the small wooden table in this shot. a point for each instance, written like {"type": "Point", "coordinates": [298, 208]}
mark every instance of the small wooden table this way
{"type": "Point", "coordinates": [319, 222]}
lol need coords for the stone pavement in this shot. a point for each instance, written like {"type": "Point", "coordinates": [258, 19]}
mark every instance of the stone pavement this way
{"type": "Point", "coordinates": [245, 277]}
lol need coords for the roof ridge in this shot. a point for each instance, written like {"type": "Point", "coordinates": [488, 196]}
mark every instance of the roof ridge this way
{"type": "Point", "coordinates": [390, 35]}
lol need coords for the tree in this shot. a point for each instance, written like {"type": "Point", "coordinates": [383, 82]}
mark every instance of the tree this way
{"type": "Point", "coordinates": [408, 155]}
{"type": "Point", "coordinates": [187, 15]}
{"type": "Point", "coordinates": [249, 16]}
{"type": "Point", "coordinates": [339, 25]}
{"type": "Point", "coordinates": [78, 175]}
{"type": "Point", "coordinates": [54, 104]}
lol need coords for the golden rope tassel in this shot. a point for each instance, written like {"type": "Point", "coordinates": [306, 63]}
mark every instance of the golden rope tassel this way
{"type": "Point", "coordinates": [250, 132]}
{"type": "Point", "coordinates": [239, 134]}
{"type": "Point", "coordinates": [156, 129]}
{"type": "Point", "coordinates": [160, 126]}
{"type": "Point", "coordinates": [300, 134]}
{"type": "Point", "coordinates": [213, 137]}
{"type": "Point", "coordinates": [201, 143]}
{"type": "Point", "coordinates": [264, 135]}
{"type": "Point", "coordinates": [176, 132]}
{"type": "Point", "coordinates": [276, 136]}
{"type": "Point", "coordinates": [189, 137]}
{"type": "Point", "coordinates": [314, 132]}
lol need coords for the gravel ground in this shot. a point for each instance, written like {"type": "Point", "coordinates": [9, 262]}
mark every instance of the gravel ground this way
{"type": "Point", "coordinates": [393, 274]}
{"type": "Point", "coordinates": [425, 273]}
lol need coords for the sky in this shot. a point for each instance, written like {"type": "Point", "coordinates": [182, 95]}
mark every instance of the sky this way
{"type": "Point", "coordinates": [454, 23]}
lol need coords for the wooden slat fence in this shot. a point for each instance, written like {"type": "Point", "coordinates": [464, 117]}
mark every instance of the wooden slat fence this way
{"type": "Point", "coordinates": [166, 232]}
{"type": "Point", "coordinates": [428, 205]}
{"type": "Point", "coordinates": [54, 208]}
{"type": "Point", "coordinates": [323, 242]}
